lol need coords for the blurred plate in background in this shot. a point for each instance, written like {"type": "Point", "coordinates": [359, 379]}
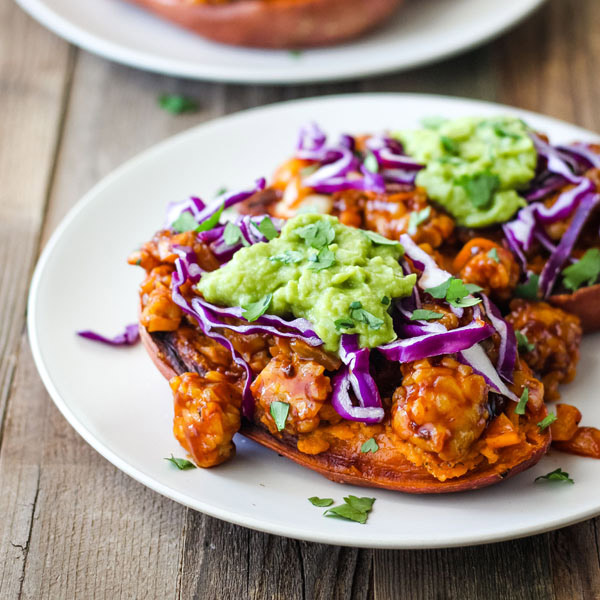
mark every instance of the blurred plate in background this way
{"type": "Point", "coordinates": [423, 31]}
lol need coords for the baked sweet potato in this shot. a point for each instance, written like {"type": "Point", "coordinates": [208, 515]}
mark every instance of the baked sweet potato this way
{"type": "Point", "coordinates": [387, 468]}
{"type": "Point", "coordinates": [275, 23]}
{"type": "Point", "coordinates": [583, 303]}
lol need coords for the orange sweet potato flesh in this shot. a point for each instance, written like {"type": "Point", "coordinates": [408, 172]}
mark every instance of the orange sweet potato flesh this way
{"type": "Point", "coordinates": [585, 442]}
{"type": "Point", "coordinates": [275, 23]}
{"type": "Point", "coordinates": [584, 303]}
{"type": "Point", "coordinates": [387, 470]}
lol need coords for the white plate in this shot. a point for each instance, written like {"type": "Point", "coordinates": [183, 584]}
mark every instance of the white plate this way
{"type": "Point", "coordinates": [423, 31]}
{"type": "Point", "coordinates": [118, 402]}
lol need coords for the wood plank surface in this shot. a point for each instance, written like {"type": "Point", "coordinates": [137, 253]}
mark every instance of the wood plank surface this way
{"type": "Point", "coordinates": [73, 526]}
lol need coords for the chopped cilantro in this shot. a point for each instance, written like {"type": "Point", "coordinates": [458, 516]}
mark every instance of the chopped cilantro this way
{"type": "Point", "coordinates": [320, 502]}
{"type": "Point", "coordinates": [369, 446]}
{"type": "Point", "coordinates": [416, 218]}
{"type": "Point", "coordinates": [523, 342]}
{"type": "Point", "coordinates": [370, 163]}
{"type": "Point", "coordinates": [493, 254]}
{"type": "Point", "coordinates": [458, 292]}
{"type": "Point", "coordinates": [255, 309]}
{"type": "Point", "coordinates": [317, 235]}
{"type": "Point", "coordinates": [455, 292]}
{"type": "Point", "coordinates": [544, 423]}
{"type": "Point", "coordinates": [556, 475]}
{"type": "Point", "coordinates": [448, 144]}
{"type": "Point", "coordinates": [288, 257]}
{"type": "Point", "coordinates": [529, 289]}
{"type": "Point", "coordinates": [181, 463]}
{"type": "Point", "coordinates": [354, 509]}
{"type": "Point", "coordinates": [480, 187]}
{"type": "Point", "coordinates": [323, 260]}
{"type": "Point", "coordinates": [522, 404]}
{"type": "Point", "coordinates": [344, 324]}
{"type": "Point", "coordinates": [220, 191]}
{"type": "Point", "coordinates": [439, 291]}
{"type": "Point", "coordinates": [584, 272]}
{"type": "Point", "coordinates": [295, 53]}
{"type": "Point", "coordinates": [267, 228]}
{"type": "Point", "coordinates": [177, 104]}
{"type": "Point", "coordinates": [375, 238]}
{"type": "Point", "coordinates": [279, 411]}
{"type": "Point", "coordinates": [184, 222]}
{"type": "Point", "coordinates": [233, 235]}
{"type": "Point", "coordinates": [421, 314]}
{"type": "Point", "coordinates": [385, 301]}
{"type": "Point", "coordinates": [358, 313]}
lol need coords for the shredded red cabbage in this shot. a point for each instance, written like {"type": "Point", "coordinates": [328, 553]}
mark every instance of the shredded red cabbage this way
{"type": "Point", "coordinates": [355, 374]}
{"type": "Point", "coordinates": [128, 337]}
{"type": "Point", "coordinates": [507, 352]}
{"type": "Point", "coordinates": [395, 166]}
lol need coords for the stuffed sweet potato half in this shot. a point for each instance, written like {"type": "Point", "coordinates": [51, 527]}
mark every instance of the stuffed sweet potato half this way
{"type": "Point", "coordinates": [275, 23]}
{"type": "Point", "coordinates": [353, 355]}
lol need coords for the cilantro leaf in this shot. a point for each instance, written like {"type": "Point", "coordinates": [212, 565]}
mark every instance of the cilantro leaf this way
{"type": "Point", "coordinates": [233, 235]}
{"type": "Point", "coordinates": [421, 314]}
{"type": "Point", "coordinates": [529, 289]}
{"type": "Point", "coordinates": [493, 254]}
{"type": "Point", "coordinates": [184, 222]}
{"type": "Point", "coordinates": [369, 446]}
{"type": "Point", "coordinates": [480, 188]}
{"type": "Point", "coordinates": [520, 409]}
{"type": "Point", "coordinates": [439, 291]}
{"type": "Point", "coordinates": [544, 423]}
{"type": "Point", "coordinates": [448, 144]}
{"type": "Point", "coordinates": [323, 260]}
{"type": "Point", "coordinates": [473, 288]}
{"type": "Point", "coordinates": [416, 218]}
{"type": "Point", "coordinates": [458, 292]}
{"type": "Point", "coordinates": [177, 104]}
{"type": "Point", "coordinates": [523, 342]}
{"type": "Point", "coordinates": [320, 502]}
{"type": "Point", "coordinates": [385, 301]}
{"type": "Point", "coordinates": [358, 313]}
{"type": "Point", "coordinates": [181, 463]}
{"type": "Point", "coordinates": [370, 163]}
{"type": "Point", "coordinates": [584, 272]}
{"type": "Point", "coordinates": [279, 411]}
{"type": "Point", "coordinates": [295, 53]}
{"type": "Point", "coordinates": [255, 309]}
{"type": "Point", "coordinates": [288, 257]}
{"type": "Point", "coordinates": [556, 475]}
{"type": "Point", "coordinates": [348, 513]}
{"type": "Point", "coordinates": [344, 324]}
{"type": "Point", "coordinates": [364, 504]}
{"type": "Point", "coordinates": [354, 509]}
{"type": "Point", "coordinates": [267, 228]}
{"type": "Point", "coordinates": [317, 234]}
{"type": "Point", "coordinates": [375, 238]}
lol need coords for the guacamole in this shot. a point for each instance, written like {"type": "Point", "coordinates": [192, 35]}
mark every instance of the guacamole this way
{"type": "Point", "coordinates": [474, 166]}
{"type": "Point", "coordinates": [339, 278]}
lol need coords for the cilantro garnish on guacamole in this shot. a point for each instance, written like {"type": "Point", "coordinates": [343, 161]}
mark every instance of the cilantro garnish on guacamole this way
{"type": "Point", "coordinates": [333, 275]}
{"type": "Point", "coordinates": [474, 167]}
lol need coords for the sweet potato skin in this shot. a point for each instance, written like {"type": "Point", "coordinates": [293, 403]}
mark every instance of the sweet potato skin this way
{"type": "Point", "coordinates": [367, 469]}
{"type": "Point", "coordinates": [583, 303]}
{"type": "Point", "coordinates": [280, 24]}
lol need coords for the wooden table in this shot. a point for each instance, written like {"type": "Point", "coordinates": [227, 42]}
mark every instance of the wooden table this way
{"type": "Point", "coordinates": [71, 524]}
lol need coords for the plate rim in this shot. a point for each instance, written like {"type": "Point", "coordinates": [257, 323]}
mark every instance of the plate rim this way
{"type": "Point", "coordinates": [258, 524]}
{"type": "Point", "coordinates": [129, 56]}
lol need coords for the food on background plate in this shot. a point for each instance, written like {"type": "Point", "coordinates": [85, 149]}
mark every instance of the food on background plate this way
{"type": "Point", "coordinates": [345, 318]}
{"type": "Point", "coordinates": [275, 23]}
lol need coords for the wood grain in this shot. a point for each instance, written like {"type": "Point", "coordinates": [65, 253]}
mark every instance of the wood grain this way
{"type": "Point", "coordinates": [75, 527]}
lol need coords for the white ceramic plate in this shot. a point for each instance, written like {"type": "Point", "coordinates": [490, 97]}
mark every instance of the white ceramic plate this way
{"type": "Point", "coordinates": [115, 398]}
{"type": "Point", "coordinates": [423, 31]}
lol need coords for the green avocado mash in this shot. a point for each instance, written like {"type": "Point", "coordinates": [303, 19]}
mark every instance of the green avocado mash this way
{"type": "Point", "coordinates": [339, 278]}
{"type": "Point", "coordinates": [474, 166]}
